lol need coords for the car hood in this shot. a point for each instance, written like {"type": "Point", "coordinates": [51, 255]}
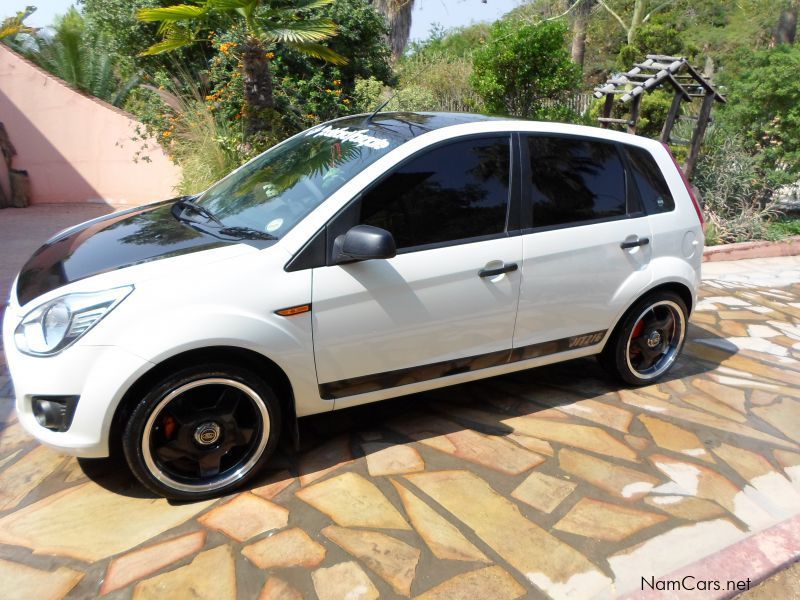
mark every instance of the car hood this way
{"type": "Point", "coordinates": [112, 242]}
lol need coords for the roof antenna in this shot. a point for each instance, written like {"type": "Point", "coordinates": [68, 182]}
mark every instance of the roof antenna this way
{"type": "Point", "coordinates": [381, 106]}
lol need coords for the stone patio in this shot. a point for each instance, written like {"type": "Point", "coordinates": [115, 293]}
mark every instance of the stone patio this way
{"type": "Point", "coordinates": [553, 482]}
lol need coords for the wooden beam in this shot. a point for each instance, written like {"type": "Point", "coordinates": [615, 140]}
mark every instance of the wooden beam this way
{"type": "Point", "coordinates": [702, 81]}
{"type": "Point", "coordinates": [637, 102]}
{"type": "Point", "coordinates": [619, 121]}
{"type": "Point", "coordinates": [699, 133]}
{"type": "Point", "coordinates": [672, 115]}
{"type": "Point", "coordinates": [607, 106]}
{"type": "Point", "coordinates": [661, 57]}
{"type": "Point", "coordinates": [679, 89]}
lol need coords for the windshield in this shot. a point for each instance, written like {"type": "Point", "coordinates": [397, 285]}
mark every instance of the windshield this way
{"type": "Point", "coordinates": [274, 191]}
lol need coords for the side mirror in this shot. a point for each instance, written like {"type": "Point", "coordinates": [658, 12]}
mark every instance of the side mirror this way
{"type": "Point", "coordinates": [363, 242]}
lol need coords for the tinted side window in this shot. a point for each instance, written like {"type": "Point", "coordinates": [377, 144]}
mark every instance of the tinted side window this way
{"type": "Point", "coordinates": [575, 180]}
{"type": "Point", "coordinates": [652, 187]}
{"type": "Point", "coordinates": [452, 192]}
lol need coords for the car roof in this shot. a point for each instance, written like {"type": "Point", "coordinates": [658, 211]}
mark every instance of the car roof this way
{"type": "Point", "coordinates": [407, 125]}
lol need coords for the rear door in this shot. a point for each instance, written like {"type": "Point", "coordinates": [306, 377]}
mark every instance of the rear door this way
{"type": "Point", "coordinates": [586, 249]}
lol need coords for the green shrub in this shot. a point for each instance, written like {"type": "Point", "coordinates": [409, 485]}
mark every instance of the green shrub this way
{"type": "Point", "coordinates": [731, 187]}
{"type": "Point", "coordinates": [522, 68]}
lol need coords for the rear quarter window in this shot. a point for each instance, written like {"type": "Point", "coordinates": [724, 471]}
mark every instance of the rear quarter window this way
{"type": "Point", "coordinates": [649, 181]}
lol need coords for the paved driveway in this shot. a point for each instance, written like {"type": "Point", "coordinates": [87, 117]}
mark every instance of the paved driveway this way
{"type": "Point", "coordinates": [23, 230]}
{"type": "Point", "coordinates": [552, 482]}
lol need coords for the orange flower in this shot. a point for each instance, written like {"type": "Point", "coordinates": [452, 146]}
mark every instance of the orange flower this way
{"type": "Point", "coordinates": [270, 55]}
{"type": "Point", "coordinates": [167, 133]}
{"type": "Point", "coordinates": [337, 82]}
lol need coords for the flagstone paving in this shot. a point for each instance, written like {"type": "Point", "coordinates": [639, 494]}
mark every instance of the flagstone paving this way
{"type": "Point", "coordinates": [554, 482]}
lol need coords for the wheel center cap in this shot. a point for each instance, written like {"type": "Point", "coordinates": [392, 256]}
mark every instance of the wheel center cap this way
{"type": "Point", "coordinates": [207, 433]}
{"type": "Point", "coordinates": [654, 339]}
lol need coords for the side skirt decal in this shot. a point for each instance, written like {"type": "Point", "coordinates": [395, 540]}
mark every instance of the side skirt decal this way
{"type": "Point", "coordinates": [389, 379]}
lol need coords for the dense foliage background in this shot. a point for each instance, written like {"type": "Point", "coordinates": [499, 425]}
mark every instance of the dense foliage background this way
{"type": "Point", "coordinates": [533, 63]}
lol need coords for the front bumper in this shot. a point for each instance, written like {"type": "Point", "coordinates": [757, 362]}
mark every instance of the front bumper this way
{"type": "Point", "coordinates": [99, 375]}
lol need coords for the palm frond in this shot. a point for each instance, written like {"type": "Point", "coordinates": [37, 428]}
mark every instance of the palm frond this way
{"type": "Point", "coordinates": [166, 46]}
{"type": "Point", "coordinates": [14, 25]}
{"type": "Point", "coordinates": [178, 12]}
{"type": "Point", "coordinates": [230, 4]}
{"type": "Point", "coordinates": [321, 52]}
{"type": "Point", "coordinates": [310, 4]}
{"type": "Point", "coordinates": [301, 32]}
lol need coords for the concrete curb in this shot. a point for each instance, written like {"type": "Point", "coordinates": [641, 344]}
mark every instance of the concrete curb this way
{"type": "Point", "coordinates": [756, 558]}
{"type": "Point", "coordinates": [760, 249]}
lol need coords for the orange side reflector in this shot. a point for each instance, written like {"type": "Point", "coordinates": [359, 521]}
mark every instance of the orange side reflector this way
{"type": "Point", "coordinates": [294, 310]}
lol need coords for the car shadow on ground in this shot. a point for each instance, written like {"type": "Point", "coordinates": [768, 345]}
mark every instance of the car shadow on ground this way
{"type": "Point", "coordinates": [481, 405]}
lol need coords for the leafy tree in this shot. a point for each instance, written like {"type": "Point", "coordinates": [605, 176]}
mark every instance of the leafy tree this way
{"type": "Point", "coordinates": [641, 12]}
{"type": "Point", "coordinates": [459, 42]}
{"type": "Point", "coordinates": [265, 23]}
{"type": "Point", "coordinates": [119, 33]}
{"type": "Point", "coordinates": [523, 68]}
{"type": "Point", "coordinates": [764, 105]}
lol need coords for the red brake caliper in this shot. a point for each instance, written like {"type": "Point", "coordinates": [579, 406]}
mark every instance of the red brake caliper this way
{"type": "Point", "coordinates": [637, 331]}
{"type": "Point", "coordinates": [169, 426]}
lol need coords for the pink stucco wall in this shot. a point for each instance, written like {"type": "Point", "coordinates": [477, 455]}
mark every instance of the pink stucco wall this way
{"type": "Point", "coordinates": [76, 148]}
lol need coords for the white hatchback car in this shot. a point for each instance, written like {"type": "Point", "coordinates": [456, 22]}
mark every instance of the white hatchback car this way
{"type": "Point", "coordinates": [369, 257]}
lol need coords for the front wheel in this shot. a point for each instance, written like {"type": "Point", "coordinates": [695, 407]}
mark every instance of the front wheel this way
{"type": "Point", "coordinates": [202, 431]}
{"type": "Point", "coordinates": [648, 340]}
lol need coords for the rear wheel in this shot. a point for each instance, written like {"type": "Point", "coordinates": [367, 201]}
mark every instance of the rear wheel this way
{"type": "Point", "coordinates": [648, 340]}
{"type": "Point", "coordinates": [202, 432]}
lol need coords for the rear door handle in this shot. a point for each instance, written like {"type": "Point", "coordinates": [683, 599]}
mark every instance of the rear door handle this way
{"type": "Point", "coordinates": [635, 243]}
{"type": "Point", "coordinates": [498, 271]}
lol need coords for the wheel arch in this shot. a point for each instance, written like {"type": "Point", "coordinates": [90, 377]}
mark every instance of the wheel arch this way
{"type": "Point", "coordinates": [235, 356]}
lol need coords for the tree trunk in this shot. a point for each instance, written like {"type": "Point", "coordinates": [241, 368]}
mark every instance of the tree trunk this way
{"type": "Point", "coordinates": [398, 17]}
{"type": "Point", "coordinates": [786, 29]}
{"type": "Point", "coordinates": [259, 99]}
{"type": "Point", "coordinates": [579, 25]}
{"type": "Point", "coordinates": [636, 20]}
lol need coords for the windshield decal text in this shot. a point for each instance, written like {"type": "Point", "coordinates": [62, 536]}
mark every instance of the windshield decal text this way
{"type": "Point", "coordinates": [359, 138]}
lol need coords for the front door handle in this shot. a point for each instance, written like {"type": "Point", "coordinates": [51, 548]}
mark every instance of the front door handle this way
{"type": "Point", "coordinates": [635, 243]}
{"type": "Point", "coordinates": [498, 271]}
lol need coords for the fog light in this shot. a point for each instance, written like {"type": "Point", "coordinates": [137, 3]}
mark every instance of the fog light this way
{"type": "Point", "coordinates": [54, 412]}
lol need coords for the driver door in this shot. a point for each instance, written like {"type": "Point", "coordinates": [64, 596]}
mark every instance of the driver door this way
{"type": "Point", "coordinates": [447, 302]}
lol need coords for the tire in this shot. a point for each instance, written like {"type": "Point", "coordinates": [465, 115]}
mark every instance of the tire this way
{"type": "Point", "coordinates": [648, 340]}
{"type": "Point", "coordinates": [202, 431]}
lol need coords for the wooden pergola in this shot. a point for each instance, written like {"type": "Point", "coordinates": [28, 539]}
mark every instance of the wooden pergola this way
{"type": "Point", "coordinates": [656, 71]}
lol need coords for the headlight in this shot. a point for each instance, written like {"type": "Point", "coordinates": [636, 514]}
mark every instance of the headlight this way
{"type": "Point", "coordinates": [54, 325]}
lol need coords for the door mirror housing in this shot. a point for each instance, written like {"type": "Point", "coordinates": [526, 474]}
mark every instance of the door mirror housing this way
{"type": "Point", "coordinates": [363, 242]}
